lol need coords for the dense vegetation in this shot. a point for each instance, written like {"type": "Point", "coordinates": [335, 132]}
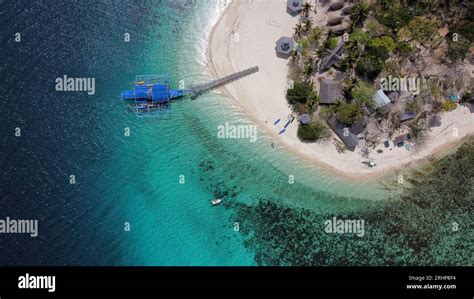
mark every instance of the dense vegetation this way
{"type": "Point", "coordinates": [300, 92]}
{"type": "Point", "coordinates": [313, 131]}
{"type": "Point", "coordinates": [349, 113]}
{"type": "Point", "coordinates": [448, 106]}
{"type": "Point", "coordinates": [429, 224]}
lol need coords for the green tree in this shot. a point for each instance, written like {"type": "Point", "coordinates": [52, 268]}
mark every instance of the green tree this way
{"type": "Point", "coordinates": [449, 106]}
{"type": "Point", "coordinates": [395, 17]}
{"type": "Point", "coordinates": [418, 130]}
{"type": "Point", "coordinates": [330, 43]}
{"type": "Point", "coordinates": [359, 36]}
{"type": "Point", "coordinates": [375, 29]}
{"type": "Point", "coordinates": [359, 13]}
{"type": "Point", "coordinates": [349, 113]}
{"type": "Point", "coordinates": [298, 30]}
{"type": "Point", "coordinates": [467, 97]}
{"type": "Point", "coordinates": [313, 131]}
{"type": "Point", "coordinates": [308, 70]}
{"type": "Point", "coordinates": [380, 53]}
{"type": "Point", "coordinates": [299, 93]}
{"type": "Point", "coordinates": [422, 29]}
{"type": "Point", "coordinates": [353, 50]}
{"type": "Point", "coordinates": [294, 55]}
{"type": "Point", "coordinates": [385, 42]}
{"type": "Point", "coordinates": [465, 28]}
{"type": "Point", "coordinates": [362, 93]}
{"type": "Point", "coordinates": [305, 45]}
{"type": "Point", "coordinates": [308, 24]}
{"type": "Point", "coordinates": [312, 100]}
{"type": "Point", "coordinates": [457, 51]}
{"type": "Point", "coordinates": [349, 86]}
{"type": "Point", "coordinates": [306, 9]}
{"type": "Point", "coordinates": [404, 49]}
{"type": "Point", "coordinates": [330, 33]}
{"type": "Point", "coordinates": [413, 106]}
{"type": "Point", "coordinates": [369, 66]}
{"type": "Point", "coordinates": [315, 35]}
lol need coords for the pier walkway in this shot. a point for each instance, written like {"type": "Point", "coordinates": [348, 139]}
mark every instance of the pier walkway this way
{"type": "Point", "coordinates": [198, 89]}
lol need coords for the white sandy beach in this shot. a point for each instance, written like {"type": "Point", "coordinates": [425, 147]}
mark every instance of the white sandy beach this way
{"type": "Point", "coordinates": [245, 36]}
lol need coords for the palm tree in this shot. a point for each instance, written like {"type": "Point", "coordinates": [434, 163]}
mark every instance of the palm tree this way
{"type": "Point", "coordinates": [313, 100]}
{"type": "Point", "coordinates": [294, 55]}
{"type": "Point", "coordinates": [320, 52]}
{"type": "Point", "coordinates": [298, 30]}
{"type": "Point", "coordinates": [306, 9]}
{"type": "Point", "coordinates": [359, 13]}
{"type": "Point", "coordinates": [316, 34]}
{"type": "Point", "coordinates": [354, 51]}
{"type": "Point", "coordinates": [351, 46]}
{"type": "Point", "coordinates": [330, 33]}
{"type": "Point", "coordinates": [308, 71]}
{"type": "Point", "coordinates": [308, 24]}
{"type": "Point", "coordinates": [351, 83]}
{"type": "Point", "coordinates": [347, 94]}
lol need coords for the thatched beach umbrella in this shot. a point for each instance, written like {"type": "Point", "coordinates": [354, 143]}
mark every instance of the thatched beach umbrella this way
{"type": "Point", "coordinates": [336, 6]}
{"type": "Point", "coordinates": [285, 45]}
{"type": "Point", "coordinates": [346, 10]}
{"type": "Point", "coordinates": [295, 5]}
{"type": "Point", "coordinates": [335, 21]}
{"type": "Point", "coordinates": [341, 29]}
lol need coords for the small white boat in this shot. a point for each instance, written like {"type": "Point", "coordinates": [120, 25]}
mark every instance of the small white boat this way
{"type": "Point", "coordinates": [216, 201]}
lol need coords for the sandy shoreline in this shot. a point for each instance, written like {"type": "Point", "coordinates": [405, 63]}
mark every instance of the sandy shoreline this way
{"type": "Point", "coordinates": [245, 36]}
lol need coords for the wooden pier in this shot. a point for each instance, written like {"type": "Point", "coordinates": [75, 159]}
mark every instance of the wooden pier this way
{"type": "Point", "coordinates": [202, 88]}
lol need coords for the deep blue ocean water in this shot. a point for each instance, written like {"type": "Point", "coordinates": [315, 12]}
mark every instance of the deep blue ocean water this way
{"type": "Point", "coordinates": [133, 179]}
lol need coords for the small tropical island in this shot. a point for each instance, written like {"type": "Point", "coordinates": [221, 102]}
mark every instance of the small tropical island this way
{"type": "Point", "coordinates": [374, 85]}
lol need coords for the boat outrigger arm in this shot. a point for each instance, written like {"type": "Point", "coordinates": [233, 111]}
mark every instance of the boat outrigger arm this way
{"type": "Point", "coordinates": [154, 90]}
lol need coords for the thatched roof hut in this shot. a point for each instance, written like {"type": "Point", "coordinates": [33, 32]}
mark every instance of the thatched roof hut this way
{"type": "Point", "coordinates": [407, 115]}
{"type": "Point", "coordinates": [342, 131]}
{"type": "Point", "coordinates": [332, 57]}
{"type": "Point", "coordinates": [380, 99]}
{"type": "Point", "coordinates": [305, 119]}
{"type": "Point", "coordinates": [329, 92]}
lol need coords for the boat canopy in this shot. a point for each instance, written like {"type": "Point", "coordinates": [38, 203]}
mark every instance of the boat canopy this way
{"type": "Point", "coordinates": [157, 93]}
{"type": "Point", "coordinates": [141, 92]}
{"type": "Point", "coordinates": [160, 93]}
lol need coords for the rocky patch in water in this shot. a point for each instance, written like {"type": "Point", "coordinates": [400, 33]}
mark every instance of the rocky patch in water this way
{"type": "Point", "coordinates": [430, 224]}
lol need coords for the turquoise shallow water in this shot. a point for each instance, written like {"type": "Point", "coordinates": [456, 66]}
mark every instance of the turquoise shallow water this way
{"type": "Point", "coordinates": [135, 179]}
{"type": "Point", "coordinates": [174, 224]}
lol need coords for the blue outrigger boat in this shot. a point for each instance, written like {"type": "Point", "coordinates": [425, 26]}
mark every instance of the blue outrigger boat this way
{"type": "Point", "coordinates": [151, 92]}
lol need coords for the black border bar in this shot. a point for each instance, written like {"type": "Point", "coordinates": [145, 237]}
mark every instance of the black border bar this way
{"type": "Point", "coordinates": [291, 282]}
